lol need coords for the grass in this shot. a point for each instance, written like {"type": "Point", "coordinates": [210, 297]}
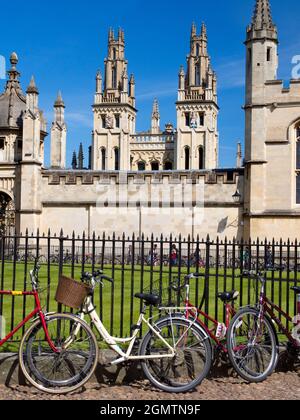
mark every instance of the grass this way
{"type": "Point", "coordinates": [116, 303]}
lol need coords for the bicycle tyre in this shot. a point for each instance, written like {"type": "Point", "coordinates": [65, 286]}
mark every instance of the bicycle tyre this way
{"type": "Point", "coordinates": [172, 386]}
{"type": "Point", "coordinates": [30, 361]}
{"type": "Point", "coordinates": [246, 373]}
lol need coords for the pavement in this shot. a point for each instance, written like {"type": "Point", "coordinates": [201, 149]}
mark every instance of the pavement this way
{"type": "Point", "coordinates": [128, 384]}
{"type": "Point", "coordinates": [280, 386]}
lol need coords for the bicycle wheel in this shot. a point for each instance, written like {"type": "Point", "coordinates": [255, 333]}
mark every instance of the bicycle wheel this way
{"type": "Point", "coordinates": [192, 361]}
{"type": "Point", "coordinates": [71, 367]}
{"type": "Point", "coordinates": [252, 345]}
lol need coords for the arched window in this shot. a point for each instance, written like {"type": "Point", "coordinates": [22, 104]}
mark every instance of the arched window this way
{"type": "Point", "coordinates": [154, 166]}
{"type": "Point", "coordinates": [168, 166]}
{"type": "Point", "coordinates": [117, 159]}
{"type": "Point", "coordinates": [197, 75]}
{"type": "Point", "coordinates": [103, 159]}
{"type": "Point", "coordinates": [114, 78]}
{"type": "Point", "coordinates": [201, 157]}
{"type": "Point", "coordinates": [187, 158]}
{"type": "Point", "coordinates": [141, 166]}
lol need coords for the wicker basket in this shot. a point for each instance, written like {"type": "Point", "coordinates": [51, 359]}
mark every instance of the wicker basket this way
{"type": "Point", "coordinates": [71, 293]}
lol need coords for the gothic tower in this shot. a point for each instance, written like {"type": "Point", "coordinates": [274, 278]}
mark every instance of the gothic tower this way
{"type": "Point", "coordinates": [114, 110]}
{"type": "Point", "coordinates": [261, 73]}
{"type": "Point", "coordinates": [58, 135]}
{"type": "Point", "coordinates": [197, 109]}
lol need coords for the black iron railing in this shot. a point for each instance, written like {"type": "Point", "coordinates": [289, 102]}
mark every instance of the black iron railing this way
{"type": "Point", "coordinates": [140, 263]}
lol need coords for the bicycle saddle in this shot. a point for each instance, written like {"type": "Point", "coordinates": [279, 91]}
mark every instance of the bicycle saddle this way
{"type": "Point", "coordinates": [296, 289]}
{"type": "Point", "coordinates": [150, 300]}
{"type": "Point", "coordinates": [228, 296]}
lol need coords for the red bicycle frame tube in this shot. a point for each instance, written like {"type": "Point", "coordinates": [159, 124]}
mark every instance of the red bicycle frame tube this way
{"type": "Point", "coordinates": [37, 311]}
{"type": "Point", "coordinates": [230, 312]}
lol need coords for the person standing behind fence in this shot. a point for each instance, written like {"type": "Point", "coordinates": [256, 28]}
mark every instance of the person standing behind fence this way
{"type": "Point", "coordinates": [174, 255]}
{"type": "Point", "coordinates": [269, 257]}
{"type": "Point", "coordinates": [129, 255]}
{"type": "Point", "coordinates": [246, 259]}
{"type": "Point", "coordinates": [153, 256]}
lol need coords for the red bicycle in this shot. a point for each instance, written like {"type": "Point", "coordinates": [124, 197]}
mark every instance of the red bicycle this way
{"type": "Point", "coordinates": [252, 339]}
{"type": "Point", "coordinates": [50, 362]}
{"type": "Point", "coordinates": [218, 332]}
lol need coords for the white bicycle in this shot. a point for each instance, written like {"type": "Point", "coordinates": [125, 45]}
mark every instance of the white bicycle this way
{"type": "Point", "coordinates": [175, 353]}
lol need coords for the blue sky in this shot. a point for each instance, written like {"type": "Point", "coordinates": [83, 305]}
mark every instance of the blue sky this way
{"type": "Point", "coordinates": [63, 43]}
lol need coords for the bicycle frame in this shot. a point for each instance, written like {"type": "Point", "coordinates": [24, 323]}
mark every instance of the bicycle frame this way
{"type": "Point", "coordinates": [230, 312]}
{"type": "Point", "coordinates": [267, 306]}
{"type": "Point", "coordinates": [114, 342]}
{"type": "Point", "coordinates": [191, 311]}
{"type": "Point", "coordinates": [37, 311]}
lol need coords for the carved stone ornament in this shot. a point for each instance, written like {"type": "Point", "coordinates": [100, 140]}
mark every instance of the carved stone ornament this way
{"type": "Point", "coordinates": [194, 120]}
{"type": "Point", "coordinates": [109, 123]}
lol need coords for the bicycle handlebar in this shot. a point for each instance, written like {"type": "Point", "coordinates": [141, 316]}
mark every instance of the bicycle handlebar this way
{"type": "Point", "coordinates": [97, 276]}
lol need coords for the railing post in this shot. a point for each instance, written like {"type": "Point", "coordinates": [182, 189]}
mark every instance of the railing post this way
{"type": "Point", "coordinates": [60, 262]}
{"type": "Point", "coordinates": [207, 274]}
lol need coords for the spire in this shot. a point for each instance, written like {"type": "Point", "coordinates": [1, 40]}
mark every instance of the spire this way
{"type": "Point", "coordinates": [203, 31]}
{"type": "Point", "coordinates": [121, 35]}
{"type": "Point", "coordinates": [155, 120]}
{"type": "Point", "coordinates": [111, 35]}
{"type": "Point", "coordinates": [13, 75]}
{"type": "Point", "coordinates": [262, 21]}
{"type": "Point", "coordinates": [262, 15]}
{"type": "Point", "coordinates": [80, 157]}
{"type": "Point", "coordinates": [155, 109]}
{"type": "Point", "coordinates": [32, 87]}
{"type": "Point", "coordinates": [74, 161]}
{"type": "Point", "coordinates": [59, 103]}
{"type": "Point", "coordinates": [193, 30]}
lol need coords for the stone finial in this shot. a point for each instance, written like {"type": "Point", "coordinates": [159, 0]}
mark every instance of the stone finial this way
{"type": "Point", "coordinates": [111, 35]}
{"type": "Point", "coordinates": [132, 80]}
{"type": "Point", "coordinates": [121, 35]}
{"type": "Point", "coordinates": [32, 87]}
{"type": "Point", "coordinates": [203, 31]}
{"type": "Point", "coordinates": [14, 59]}
{"type": "Point", "coordinates": [98, 82]}
{"type": "Point", "coordinates": [239, 156]}
{"type": "Point", "coordinates": [193, 30]}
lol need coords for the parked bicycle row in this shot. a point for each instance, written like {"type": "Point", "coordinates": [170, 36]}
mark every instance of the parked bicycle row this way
{"type": "Point", "coordinates": [153, 258]}
{"type": "Point", "coordinates": [59, 352]}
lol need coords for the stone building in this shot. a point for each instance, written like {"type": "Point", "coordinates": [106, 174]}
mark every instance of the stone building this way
{"type": "Point", "coordinates": [166, 180]}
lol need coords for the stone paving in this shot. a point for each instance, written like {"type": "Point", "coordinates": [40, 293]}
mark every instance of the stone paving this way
{"type": "Point", "coordinates": [280, 386]}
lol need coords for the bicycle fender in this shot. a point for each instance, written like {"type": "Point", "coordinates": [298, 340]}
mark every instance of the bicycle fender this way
{"type": "Point", "coordinates": [181, 317]}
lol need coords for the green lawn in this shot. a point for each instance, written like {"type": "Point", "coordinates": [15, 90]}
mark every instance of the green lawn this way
{"type": "Point", "coordinates": [117, 305]}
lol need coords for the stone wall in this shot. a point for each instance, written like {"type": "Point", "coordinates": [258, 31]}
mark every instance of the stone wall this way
{"type": "Point", "coordinates": [198, 203]}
